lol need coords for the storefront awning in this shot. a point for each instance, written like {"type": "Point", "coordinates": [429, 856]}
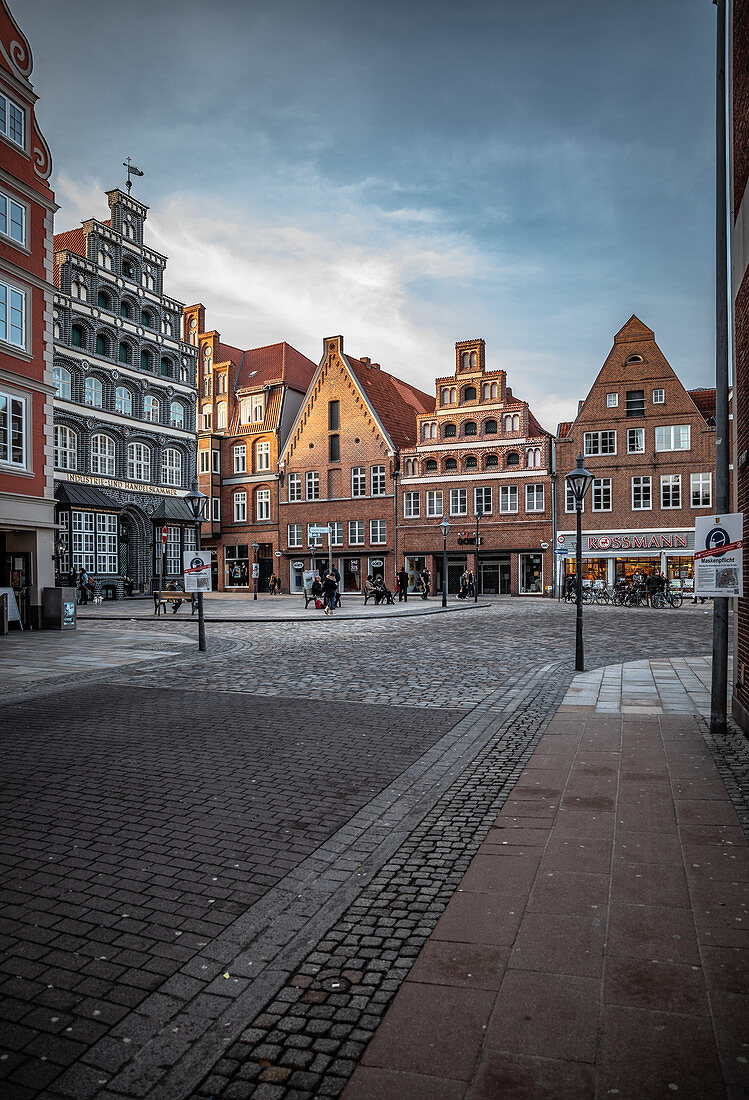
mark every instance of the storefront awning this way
{"type": "Point", "coordinates": [173, 510]}
{"type": "Point", "coordinates": [84, 496]}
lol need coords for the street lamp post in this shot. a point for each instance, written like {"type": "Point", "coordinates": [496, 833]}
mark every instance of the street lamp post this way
{"type": "Point", "coordinates": [579, 481]}
{"type": "Point", "coordinates": [396, 474]}
{"type": "Point", "coordinates": [255, 548]}
{"type": "Point", "coordinates": [195, 500]}
{"type": "Point", "coordinates": [444, 528]}
{"type": "Point", "coordinates": [479, 514]}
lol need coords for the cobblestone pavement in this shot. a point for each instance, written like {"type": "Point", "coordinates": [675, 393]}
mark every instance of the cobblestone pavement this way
{"type": "Point", "coordinates": [190, 861]}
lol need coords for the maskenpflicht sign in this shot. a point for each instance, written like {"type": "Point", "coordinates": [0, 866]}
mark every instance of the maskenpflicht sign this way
{"type": "Point", "coordinates": [197, 570]}
{"type": "Point", "coordinates": [719, 555]}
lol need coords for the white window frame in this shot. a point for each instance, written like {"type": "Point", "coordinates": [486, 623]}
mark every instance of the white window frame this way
{"type": "Point", "coordinates": [378, 532]}
{"type": "Point", "coordinates": [377, 481]}
{"type": "Point", "coordinates": [138, 462]}
{"type": "Point", "coordinates": [216, 461]}
{"type": "Point", "coordinates": [178, 420]}
{"type": "Point", "coordinates": [262, 456]}
{"type": "Point", "coordinates": [216, 509]}
{"type": "Point", "coordinates": [13, 300]}
{"type": "Point", "coordinates": [240, 459]}
{"type": "Point", "coordinates": [336, 533]}
{"type": "Point", "coordinates": [57, 372]}
{"type": "Point", "coordinates": [66, 448]}
{"type": "Point", "coordinates": [103, 458]}
{"type": "Point", "coordinates": [669, 482]}
{"type": "Point", "coordinates": [612, 400]}
{"type": "Point", "coordinates": [458, 502]}
{"type": "Point", "coordinates": [600, 490]}
{"type": "Point", "coordinates": [8, 206]}
{"type": "Point", "coordinates": [171, 467]}
{"type": "Point", "coordinates": [434, 503]}
{"type": "Point", "coordinates": [486, 495]}
{"type": "Point", "coordinates": [589, 438]}
{"type": "Point", "coordinates": [257, 407]}
{"type": "Point", "coordinates": [411, 505]}
{"type": "Point", "coordinates": [645, 481]}
{"type": "Point", "coordinates": [151, 408]}
{"type": "Point", "coordinates": [240, 507]}
{"type": "Point", "coordinates": [671, 440]}
{"type": "Point", "coordinates": [123, 401]}
{"type": "Point", "coordinates": [358, 481]}
{"type": "Point", "coordinates": [637, 434]}
{"type": "Point", "coordinates": [659, 396]}
{"type": "Point", "coordinates": [294, 482]}
{"type": "Point", "coordinates": [294, 535]}
{"type": "Point", "coordinates": [12, 111]}
{"type": "Point", "coordinates": [221, 415]}
{"type": "Point", "coordinates": [508, 496]}
{"type": "Point", "coordinates": [262, 505]}
{"type": "Point", "coordinates": [204, 462]}
{"type": "Point", "coordinates": [93, 386]}
{"type": "Point", "coordinates": [312, 485]}
{"type": "Point", "coordinates": [569, 500]}
{"type": "Point", "coordinates": [532, 497]}
{"type": "Point", "coordinates": [698, 481]}
{"type": "Point", "coordinates": [356, 532]}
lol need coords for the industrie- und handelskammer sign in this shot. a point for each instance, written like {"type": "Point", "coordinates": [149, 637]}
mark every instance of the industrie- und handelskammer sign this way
{"type": "Point", "coordinates": [719, 555]}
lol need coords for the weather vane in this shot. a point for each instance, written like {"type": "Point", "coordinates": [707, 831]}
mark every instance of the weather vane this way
{"type": "Point", "coordinates": [131, 171]}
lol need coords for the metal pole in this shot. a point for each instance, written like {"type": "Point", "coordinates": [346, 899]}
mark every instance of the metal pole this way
{"type": "Point", "coordinates": [395, 525]}
{"type": "Point", "coordinates": [201, 619]}
{"type": "Point", "coordinates": [579, 658]}
{"type": "Point", "coordinates": [444, 569]}
{"type": "Point", "coordinates": [476, 578]}
{"type": "Point", "coordinates": [254, 579]}
{"type": "Point", "coordinates": [719, 685]}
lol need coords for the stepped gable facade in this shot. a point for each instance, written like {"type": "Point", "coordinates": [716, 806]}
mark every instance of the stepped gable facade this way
{"type": "Point", "coordinates": [125, 416]}
{"type": "Point", "coordinates": [650, 444]}
{"type": "Point", "coordinates": [478, 447]}
{"type": "Point", "coordinates": [28, 543]}
{"type": "Point", "coordinates": [247, 403]}
{"type": "Point", "coordinates": [340, 465]}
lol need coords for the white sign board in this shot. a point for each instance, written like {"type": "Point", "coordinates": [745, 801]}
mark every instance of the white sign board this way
{"type": "Point", "coordinates": [308, 578]}
{"type": "Point", "coordinates": [316, 530]}
{"type": "Point", "coordinates": [13, 613]}
{"type": "Point", "coordinates": [197, 570]}
{"type": "Point", "coordinates": [719, 555]}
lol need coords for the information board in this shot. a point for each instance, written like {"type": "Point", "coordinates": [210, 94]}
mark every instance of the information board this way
{"type": "Point", "coordinates": [719, 555]}
{"type": "Point", "coordinates": [197, 570]}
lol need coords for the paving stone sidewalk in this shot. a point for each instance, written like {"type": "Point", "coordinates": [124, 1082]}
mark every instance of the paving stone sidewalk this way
{"type": "Point", "coordinates": [596, 945]}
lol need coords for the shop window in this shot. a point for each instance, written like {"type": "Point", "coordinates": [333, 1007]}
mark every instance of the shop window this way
{"type": "Point", "coordinates": [237, 566]}
{"type": "Point", "coordinates": [531, 574]}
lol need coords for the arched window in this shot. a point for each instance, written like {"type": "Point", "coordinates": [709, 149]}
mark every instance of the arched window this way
{"type": "Point", "coordinates": [123, 401]}
{"type": "Point", "coordinates": [513, 459]}
{"type": "Point", "coordinates": [465, 361]}
{"type": "Point", "coordinates": [146, 318]}
{"type": "Point", "coordinates": [104, 259]}
{"type": "Point", "coordinates": [57, 331]}
{"type": "Point", "coordinates": [633, 359]}
{"type": "Point", "coordinates": [434, 431]}
{"type": "Point", "coordinates": [425, 431]}
{"type": "Point", "coordinates": [449, 431]}
{"type": "Point", "coordinates": [165, 367]}
{"type": "Point", "coordinates": [508, 423]}
{"type": "Point", "coordinates": [78, 289]}
{"type": "Point", "coordinates": [451, 463]}
{"type": "Point", "coordinates": [474, 360]}
{"type": "Point", "coordinates": [494, 391]}
{"type": "Point", "coordinates": [63, 383]}
{"type": "Point", "coordinates": [490, 427]}
{"type": "Point", "coordinates": [445, 395]}
{"type": "Point", "coordinates": [126, 310]}
{"type": "Point", "coordinates": [221, 414]}
{"type": "Point", "coordinates": [177, 414]}
{"type": "Point", "coordinates": [66, 448]}
{"type": "Point", "coordinates": [431, 466]}
{"type": "Point", "coordinates": [453, 395]}
{"type": "Point", "coordinates": [168, 329]}
{"type": "Point", "coordinates": [471, 462]}
{"type": "Point", "coordinates": [207, 418]}
{"type": "Point", "coordinates": [123, 353]}
{"type": "Point", "coordinates": [486, 390]}
{"type": "Point", "coordinates": [408, 467]}
{"type": "Point", "coordinates": [171, 467]}
{"type": "Point", "coordinates": [262, 456]}
{"type": "Point", "coordinates": [138, 462]}
{"type": "Point", "coordinates": [469, 428]}
{"type": "Point", "coordinates": [102, 455]}
{"type": "Point", "coordinates": [151, 408]}
{"type": "Point", "coordinates": [102, 344]}
{"type": "Point", "coordinates": [77, 336]}
{"type": "Point", "coordinates": [145, 361]}
{"type": "Point", "coordinates": [469, 393]}
{"type": "Point", "coordinates": [262, 504]}
{"type": "Point", "coordinates": [533, 457]}
{"type": "Point", "coordinates": [93, 392]}
{"type": "Point", "coordinates": [516, 423]}
{"type": "Point", "coordinates": [103, 300]}
{"type": "Point", "coordinates": [491, 460]}
{"type": "Point", "coordinates": [147, 280]}
{"type": "Point", "coordinates": [128, 228]}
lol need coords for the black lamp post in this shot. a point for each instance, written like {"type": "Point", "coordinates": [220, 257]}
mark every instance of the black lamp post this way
{"type": "Point", "coordinates": [255, 548]}
{"type": "Point", "coordinates": [396, 475]}
{"type": "Point", "coordinates": [195, 500]}
{"type": "Point", "coordinates": [579, 481]}
{"type": "Point", "coordinates": [479, 514]}
{"type": "Point", "coordinates": [444, 528]}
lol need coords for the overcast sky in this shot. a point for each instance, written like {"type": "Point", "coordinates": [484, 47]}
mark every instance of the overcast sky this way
{"type": "Point", "coordinates": [407, 173]}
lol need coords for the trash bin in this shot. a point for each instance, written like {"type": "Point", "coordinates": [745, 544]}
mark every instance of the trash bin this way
{"type": "Point", "coordinates": [58, 608]}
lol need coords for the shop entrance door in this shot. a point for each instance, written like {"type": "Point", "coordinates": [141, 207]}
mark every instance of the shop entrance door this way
{"type": "Point", "coordinates": [351, 575]}
{"type": "Point", "coordinates": [495, 577]}
{"type": "Point", "coordinates": [265, 561]}
{"type": "Point", "coordinates": [16, 574]}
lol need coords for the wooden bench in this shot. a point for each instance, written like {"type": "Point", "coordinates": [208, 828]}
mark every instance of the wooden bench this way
{"type": "Point", "coordinates": [309, 598]}
{"type": "Point", "coordinates": [385, 597]}
{"type": "Point", "coordinates": [161, 599]}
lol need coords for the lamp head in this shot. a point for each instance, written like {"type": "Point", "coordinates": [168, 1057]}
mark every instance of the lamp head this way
{"type": "Point", "coordinates": [195, 499]}
{"type": "Point", "coordinates": [445, 526]}
{"type": "Point", "coordinates": [579, 481]}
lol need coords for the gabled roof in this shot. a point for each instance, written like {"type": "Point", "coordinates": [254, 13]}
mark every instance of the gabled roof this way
{"type": "Point", "coordinates": [634, 329]}
{"type": "Point", "coordinates": [396, 403]}
{"type": "Point", "coordinates": [704, 399]}
{"type": "Point", "coordinates": [273, 363]}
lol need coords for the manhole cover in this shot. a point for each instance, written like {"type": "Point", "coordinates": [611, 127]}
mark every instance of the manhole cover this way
{"type": "Point", "coordinates": [335, 985]}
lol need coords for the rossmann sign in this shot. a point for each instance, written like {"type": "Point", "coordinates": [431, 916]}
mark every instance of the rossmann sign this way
{"type": "Point", "coordinates": [644, 540]}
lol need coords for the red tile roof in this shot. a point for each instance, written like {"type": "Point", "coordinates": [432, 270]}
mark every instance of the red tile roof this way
{"type": "Point", "coordinates": [704, 399]}
{"type": "Point", "coordinates": [74, 241]}
{"type": "Point", "coordinates": [396, 403]}
{"type": "Point", "coordinates": [274, 363]}
{"type": "Point", "coordinates": [563, 429]}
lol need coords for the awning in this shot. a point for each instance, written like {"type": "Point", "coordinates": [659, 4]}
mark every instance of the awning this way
{"type": "Point", "coordinates": [173, 510]}
{"type": "Point", "coordinates": [85, 496]}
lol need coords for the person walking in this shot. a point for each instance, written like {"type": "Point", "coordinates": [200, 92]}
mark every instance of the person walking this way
{"type": "Point", "coordinates": [426, 581]}
{"type": "Point", "coordinates": [403, 586]}
{"type": "Point", "coordinates": [329, 590]}
{"type": "Point", "coordinates": [463, 593]}
{"type": "Point", "coordinates": [73, 578]}
{"type": "Point", "coordinates": [83, 587]}
{"type": "Point", "coordinates": [471, 583]}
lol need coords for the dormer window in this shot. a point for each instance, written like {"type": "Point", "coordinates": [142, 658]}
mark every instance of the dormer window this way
{"type": "Point", "coordinates": [633, 359]}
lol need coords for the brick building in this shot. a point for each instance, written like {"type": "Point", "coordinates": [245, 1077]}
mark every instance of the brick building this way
{"type": "Point", "coordinates": [125, 443]}
{"type": "Point", "coordinates": [478, 445]}
{"type": "Point", "coordinates": [651, 446]}
{"type": "Point", "coordinates": [27, 207]}
{"type": "Point", "coordinates": [248, 401]}
{"type": "Point", "coordinates": [337, 466]}
{"type": "Point", "coordinates": [738, 50]}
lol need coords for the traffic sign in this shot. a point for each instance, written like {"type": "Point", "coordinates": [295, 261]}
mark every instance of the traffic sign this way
{"type": "Point", "coordinates": [163, 536]}
{"type": "Point", "coordinates": [317, 529]}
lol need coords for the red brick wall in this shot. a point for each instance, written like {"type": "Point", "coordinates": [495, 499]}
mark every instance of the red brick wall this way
{"type": "Point", "coordinates": [741, 427]}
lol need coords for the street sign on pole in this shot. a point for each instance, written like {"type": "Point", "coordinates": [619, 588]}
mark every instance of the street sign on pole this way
{"type": "Point", "coordinates": [317, 529]}
{"type": "Point", "coordinates": [163, 535]}
{"type": "Point", "coordinates": [719, 555]}
{"type": "Point", "coordinates": [197, 570]}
